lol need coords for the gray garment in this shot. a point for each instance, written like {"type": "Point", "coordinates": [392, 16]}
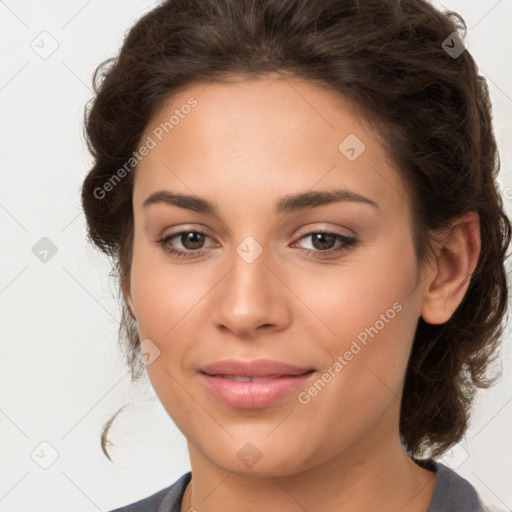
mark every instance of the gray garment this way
{"type": "Point", "coordinates": [452, 493]}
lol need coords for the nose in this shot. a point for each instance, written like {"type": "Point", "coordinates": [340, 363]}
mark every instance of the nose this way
{"type": "Point", "coordinates": [251, 298]}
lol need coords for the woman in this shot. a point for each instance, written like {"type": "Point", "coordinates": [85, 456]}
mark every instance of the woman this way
{"type": "Point", "coordinates": [300, 198]}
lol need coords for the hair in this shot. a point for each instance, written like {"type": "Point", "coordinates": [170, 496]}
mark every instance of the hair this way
{"type": "Point", "coordinates": [434, 118]}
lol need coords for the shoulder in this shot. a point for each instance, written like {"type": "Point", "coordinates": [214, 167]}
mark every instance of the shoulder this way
{"type": "Point", "coordinates": [453, 493]}
{"type": "Point", "coordinates": [165, 500]}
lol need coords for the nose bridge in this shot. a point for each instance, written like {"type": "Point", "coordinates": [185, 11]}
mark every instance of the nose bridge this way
{"type": "Point", "coordinates": [249, 274]}
{"type": "Point", "coordinates": [248, 296]}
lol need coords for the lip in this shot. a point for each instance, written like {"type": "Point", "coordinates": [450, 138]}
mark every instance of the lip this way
{"type": "Point", "coordinates": [275, 380]}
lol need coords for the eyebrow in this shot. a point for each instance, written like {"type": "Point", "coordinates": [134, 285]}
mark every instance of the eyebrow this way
{"type": "Point", "coordinates": [286, 204]}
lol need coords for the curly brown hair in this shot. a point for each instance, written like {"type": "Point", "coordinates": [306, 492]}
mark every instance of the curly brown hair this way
{"type": "Point", "coordinates": [389, 58]}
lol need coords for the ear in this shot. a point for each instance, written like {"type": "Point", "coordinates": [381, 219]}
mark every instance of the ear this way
{"type": "Point", "coordinates": [455, 262]}
{"type": "Point", "coordinates": [126, 289]}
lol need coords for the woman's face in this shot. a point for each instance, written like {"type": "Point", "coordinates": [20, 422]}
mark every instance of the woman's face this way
{"type": "Point", "coordinates": [263, 283]}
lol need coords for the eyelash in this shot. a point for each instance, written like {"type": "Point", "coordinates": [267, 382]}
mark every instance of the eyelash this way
{"type": "Point", "coordinates": [346, 243]}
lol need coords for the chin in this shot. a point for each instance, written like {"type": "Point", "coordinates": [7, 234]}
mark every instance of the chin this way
{"type": "Point", "coordinates": [258, 459]}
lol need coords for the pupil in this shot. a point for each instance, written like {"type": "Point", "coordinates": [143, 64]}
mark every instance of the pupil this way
{"type": "Point", "coordinates": [318, 238]}
{"type": "Point", "coordinates": [194, 239]}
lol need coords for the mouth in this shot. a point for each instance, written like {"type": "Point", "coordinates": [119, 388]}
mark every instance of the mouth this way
{"type": "Point", "coordinates": [253, 384]}
{"type": "Point", "coordinates": [251, 379]}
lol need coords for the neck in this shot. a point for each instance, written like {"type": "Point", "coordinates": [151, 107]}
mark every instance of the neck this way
{"type": "Point", "coordinates": [389, 480]}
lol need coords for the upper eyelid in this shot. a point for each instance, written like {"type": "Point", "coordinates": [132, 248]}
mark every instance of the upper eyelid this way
{"type": "Point", "coordinates": [310, 231]}
{"type": "Point", "coordinates": [301, 233]}
{"type": "Point", "coordinates": [183, 231]}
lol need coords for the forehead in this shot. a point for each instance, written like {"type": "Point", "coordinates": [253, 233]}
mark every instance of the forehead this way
{"type": "Point", "coordinates": [260, 138]}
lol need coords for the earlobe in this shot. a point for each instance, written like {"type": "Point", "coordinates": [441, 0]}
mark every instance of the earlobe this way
{"type": "Point", "coordinates": [125, 287]}
{"type": "Point", "coordinates": [456, 260]}
{"type": "Point", "coordinates": [130, 305]}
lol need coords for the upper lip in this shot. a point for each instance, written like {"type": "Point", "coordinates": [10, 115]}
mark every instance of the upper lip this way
{"type": "Point", "coordinates": [253, 368]}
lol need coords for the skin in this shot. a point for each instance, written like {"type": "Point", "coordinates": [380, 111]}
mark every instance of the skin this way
{"type": "Point", "coordinates": [244, 146]}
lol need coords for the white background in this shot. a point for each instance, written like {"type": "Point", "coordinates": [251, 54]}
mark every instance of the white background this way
{"type": "Point", "coordinates": [62, 375]}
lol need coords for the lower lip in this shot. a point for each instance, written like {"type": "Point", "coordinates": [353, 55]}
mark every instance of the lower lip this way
{"type": "Point", "coordinates": [253, 395]}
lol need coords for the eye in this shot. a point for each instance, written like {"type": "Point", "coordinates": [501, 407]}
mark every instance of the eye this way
{"type": "Point", "coordinates": [192, 241]}
{"type": "Point", "coordinates": [324, 243]}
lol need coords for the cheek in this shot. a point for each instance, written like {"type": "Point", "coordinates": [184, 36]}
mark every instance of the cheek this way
{"type": "Point", "coordinates": [163, 293]}
{"type": "Point", "coordinates": [160, 302]}
{"type": "Point", "coordinates": [164, 301]}
{"type": "Point", "coordinates": [372, 295]}
{"type": "Point", "coordinates": [371, 313]}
